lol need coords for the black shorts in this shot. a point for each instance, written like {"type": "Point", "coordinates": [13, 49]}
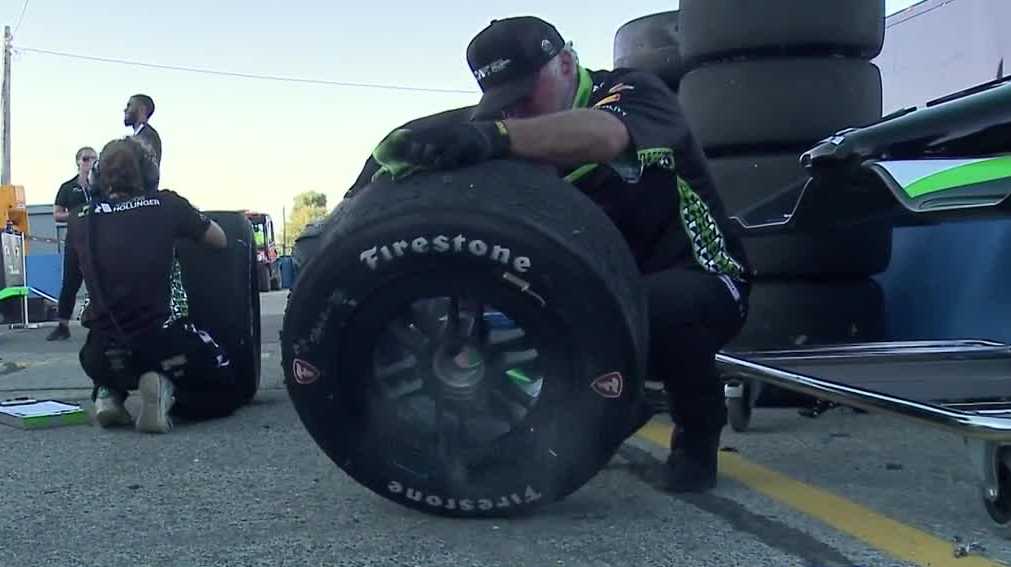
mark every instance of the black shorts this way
{"type": "Point", "coordinates": [205, 384]}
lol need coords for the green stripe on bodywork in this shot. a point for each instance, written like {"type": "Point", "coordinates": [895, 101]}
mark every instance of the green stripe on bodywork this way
{"type": "Point", "coordinates": [961, 176]}
{"type": "Point", "coordinates": [12, 292]}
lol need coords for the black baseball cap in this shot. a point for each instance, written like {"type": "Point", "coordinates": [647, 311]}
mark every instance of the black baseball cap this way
{"type": "Point", "coordinates": [505, 58]}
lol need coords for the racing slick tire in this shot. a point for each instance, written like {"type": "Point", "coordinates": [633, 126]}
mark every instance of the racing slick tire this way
{"type": "Point", "coordinates": [650, 43]}
{"type": "Point", "coordinates": [788, 313]}
{"type": "Point", "coordinates": [224, 297]}
{"type": "Point", "coordinates": [778, 103]}
{"type": "Point", "coordinates": [745, 180]}
{"type": "Point", "coordinates": [851, 251]}
{"type": "Point", "coordinates": [720, 29]}
{"type": "Point", "coordinates": [456, 328]}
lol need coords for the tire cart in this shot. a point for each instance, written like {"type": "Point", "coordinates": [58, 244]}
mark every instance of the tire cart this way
{"type": "Point", "coordinates": [945, 162]}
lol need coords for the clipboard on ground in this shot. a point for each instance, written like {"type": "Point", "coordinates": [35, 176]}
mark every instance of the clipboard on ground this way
{"type": "Point", "coordinates": [41, 414]}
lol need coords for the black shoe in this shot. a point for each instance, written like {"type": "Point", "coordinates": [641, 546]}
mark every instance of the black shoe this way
{"type": "Point", "coordinates": [692, 464]}
{"type": "Point", "coordinates": [60, 333]}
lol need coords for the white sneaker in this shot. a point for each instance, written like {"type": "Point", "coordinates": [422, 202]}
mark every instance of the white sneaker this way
{"type": "Point", "coordinates": [109, 409]}
{"type": "Point", "coordinates": [156, 401]}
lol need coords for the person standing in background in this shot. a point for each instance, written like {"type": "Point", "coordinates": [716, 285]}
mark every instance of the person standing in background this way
{"type": "Point", "coordinates": [136, 115]}
{"type": "Point", "coordinates": [73, 193]}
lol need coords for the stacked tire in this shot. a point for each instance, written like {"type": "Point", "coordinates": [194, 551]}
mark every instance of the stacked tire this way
{"type": "Point", "coordinates": [761, 82]}
{"type": "Point", "coordinates": [650, 43]}
{"type": "Point", "coordinates": [766, 80]}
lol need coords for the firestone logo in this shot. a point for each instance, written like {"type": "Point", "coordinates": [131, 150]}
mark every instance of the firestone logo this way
{"type": "Point", "coordinates": [443, 244]}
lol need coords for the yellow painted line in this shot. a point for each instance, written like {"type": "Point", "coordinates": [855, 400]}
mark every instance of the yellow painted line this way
{"type": "Point", "coordinates": [904, 542]}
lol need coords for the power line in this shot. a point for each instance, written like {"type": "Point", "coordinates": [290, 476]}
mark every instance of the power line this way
{"type": "Point", "coordinates": [243, 75]}
{"type": "Point", "coordinates": [21, 17]}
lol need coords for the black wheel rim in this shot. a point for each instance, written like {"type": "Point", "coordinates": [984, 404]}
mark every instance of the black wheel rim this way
{"type": "Point", "coordinates": [456, 375]}
{"type": "Point", "coordinates": [452, 397]}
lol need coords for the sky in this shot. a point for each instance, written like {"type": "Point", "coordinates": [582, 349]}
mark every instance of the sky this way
{"type": "Point", "coordinates": [236, 143]}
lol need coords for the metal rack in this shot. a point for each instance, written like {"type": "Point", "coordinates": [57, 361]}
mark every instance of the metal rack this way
{"type": "Point", "coordinates": [963, 387]}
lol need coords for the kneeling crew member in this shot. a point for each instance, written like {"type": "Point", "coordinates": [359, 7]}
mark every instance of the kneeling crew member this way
{"type": "Point", "coordinates": [621, 137]}
{"type": "Point", "coordinates": [124, 243]}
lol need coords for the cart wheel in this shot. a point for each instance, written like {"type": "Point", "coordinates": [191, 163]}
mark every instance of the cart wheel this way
{"type": "Point", "coordinates": [1000, 509]}
{"type": "Point", "coordinates": [738, 394]}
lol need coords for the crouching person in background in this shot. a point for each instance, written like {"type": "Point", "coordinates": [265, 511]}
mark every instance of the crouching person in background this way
{"type": "Point", "coordinates": [124, 244]}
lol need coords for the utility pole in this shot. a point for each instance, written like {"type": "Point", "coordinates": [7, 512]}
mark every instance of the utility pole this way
{"type": "Point", "coordinates": [5, 174]}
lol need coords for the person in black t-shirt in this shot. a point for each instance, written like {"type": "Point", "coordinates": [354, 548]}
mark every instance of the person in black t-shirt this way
{"type": "Point", "coordinates": [137, 115]}
{"type": "Point", "coordinates": [73, 193]}
{"type": "Point", "coordinates": [621, 137]}
{"type": "Point", "coordinates": [124, 243]}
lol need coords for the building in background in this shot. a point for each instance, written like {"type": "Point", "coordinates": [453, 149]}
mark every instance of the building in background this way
{"type": "Point", "coordinates": [937, 47]}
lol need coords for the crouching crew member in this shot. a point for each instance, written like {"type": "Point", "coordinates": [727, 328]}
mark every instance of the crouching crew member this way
{"type": "Point", "coordinates": [124, 244]}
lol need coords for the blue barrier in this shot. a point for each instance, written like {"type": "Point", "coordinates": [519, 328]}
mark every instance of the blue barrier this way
{"type": "Point", "coordinates": [45, 273]}
{"type": "Point", "coordinates": [950, 281]}
{"type": "Point", "coordinates": [288, 273]}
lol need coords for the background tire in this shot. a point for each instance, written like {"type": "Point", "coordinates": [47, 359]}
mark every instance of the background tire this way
{"type": "Point", "coordinates": [779, 103]}
{"type": "Point", "coordinates": [650, 43]}
{"type": "Point", "coordinates": [597, 328]}
{"type": "Point", "coordinates": [262, 277]}
{"type": "Point", "coordinates": [223, 295]}
{"type": "Point", "coordinates": [745, 180]}
{"type": "Point", "coordinates": [714, 29]}
{"type": "Point", "coordinates": [854, 251]}
{"type": "Point", "coordinates": [850, 251]}
{"type": "Point", "coordinates": [791, 313]}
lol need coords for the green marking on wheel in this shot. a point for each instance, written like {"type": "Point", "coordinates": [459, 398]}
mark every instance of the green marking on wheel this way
{"type": "Point", "coordinates": [519, 376]}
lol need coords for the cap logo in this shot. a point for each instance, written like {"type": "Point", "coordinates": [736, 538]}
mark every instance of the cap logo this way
{"type": "Point", "coordinates": [546, 46]}
{"type": "Point", "coordinates": [496, 66]}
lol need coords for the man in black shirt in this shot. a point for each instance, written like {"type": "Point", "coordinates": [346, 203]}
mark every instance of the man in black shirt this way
{"type": "Point", "coordinates": [124, 243]}
{"type": "Point", "coordinates": [137, 115]}
{"type": "Point", "coordinates": [73, 193]}
{"type": "Point", "coordinates": [619, 136]}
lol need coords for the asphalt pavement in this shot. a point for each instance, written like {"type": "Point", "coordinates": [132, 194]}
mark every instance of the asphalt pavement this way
{"type": "Point", "coordinates": [845, 489]}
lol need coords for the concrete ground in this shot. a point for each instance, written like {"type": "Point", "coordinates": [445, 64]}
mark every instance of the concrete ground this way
{"type": "Point", "coordinates": [253, 489]}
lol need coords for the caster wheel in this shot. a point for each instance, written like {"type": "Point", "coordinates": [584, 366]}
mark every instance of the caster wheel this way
{"type": "Point", "coordinates": [1000, 509]}
{"type": "Point", "coordinates": [738, 394]}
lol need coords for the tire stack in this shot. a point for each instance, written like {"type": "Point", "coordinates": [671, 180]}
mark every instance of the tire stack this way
{"type": "Point", "coordinates": [761, 82]}
{"type": "Point", "coordinates": [650, 43]}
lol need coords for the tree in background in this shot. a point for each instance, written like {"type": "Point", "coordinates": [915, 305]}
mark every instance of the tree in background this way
{"type": "Point", "coordinates": [309, 207]}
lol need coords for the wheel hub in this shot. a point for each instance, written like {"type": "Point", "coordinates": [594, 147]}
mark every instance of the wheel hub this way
{"type": "Point", "coordinates": [459, 369]}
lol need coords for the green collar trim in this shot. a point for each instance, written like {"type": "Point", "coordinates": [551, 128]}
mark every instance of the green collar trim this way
{"type": "Point", "coordinates": [584, 90]}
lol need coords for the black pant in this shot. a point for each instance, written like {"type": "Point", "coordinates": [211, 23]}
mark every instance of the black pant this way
{"type": "Point", "coordinates": [692, 316]}
{"type": "Point", "coordinates": [72, 280]}
{"type": "Point", "coordinates": [205, 384]}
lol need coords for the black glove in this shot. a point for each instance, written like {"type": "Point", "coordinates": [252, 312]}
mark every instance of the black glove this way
{"type": "Point", "coordinates": [457, 145]}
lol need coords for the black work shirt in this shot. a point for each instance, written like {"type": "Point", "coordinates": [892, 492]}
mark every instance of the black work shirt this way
{"type": "Point", "coordinates": [72, 194]}
{"type": "Point", "coordinates": [133, 241]}
{"type": "Point", "coordinates": [660, 194]}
